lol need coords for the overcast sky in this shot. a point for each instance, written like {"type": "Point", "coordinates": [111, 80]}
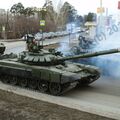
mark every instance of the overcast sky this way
{"type": "Point", "coordinates": [83, 6]}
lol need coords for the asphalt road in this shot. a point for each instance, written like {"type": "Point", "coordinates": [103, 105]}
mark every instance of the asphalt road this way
{"type": "Point", "coordinates": [102, 97]}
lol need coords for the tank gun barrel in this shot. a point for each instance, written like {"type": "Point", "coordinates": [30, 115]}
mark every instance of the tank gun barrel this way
{"type": "Point", "coordinates": [94, 54]}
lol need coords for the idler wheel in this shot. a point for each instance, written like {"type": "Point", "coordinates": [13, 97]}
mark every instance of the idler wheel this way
{"type": "Point", "coordinates": [85, 82]}
{"type": "Point", "coordinates": [32, 84]}
{"type": "Point", "coordinates": [13, 80]}
{"type": "Point", "coordinates": [91, 79]}
{"type": "Point", "coordinates": [23, 82]}
{"type": "Point", "coordinates": [5, 79]}
{"type": "Point", "coordinates": [88, 80]}
{"type": "Point", "coordinates": [55, 88]}
{"type": "Point", "coordinates": [43, 86]}
{"type": "Point", "coordinates": [94, 78]}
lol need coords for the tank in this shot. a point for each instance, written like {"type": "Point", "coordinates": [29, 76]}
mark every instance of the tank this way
{"type": "Point", "coordinates": [5, 56]}
{"type": "Point", "coordinates": [48, 71]}
{"type": "Point", "coordinates": [85, 45]}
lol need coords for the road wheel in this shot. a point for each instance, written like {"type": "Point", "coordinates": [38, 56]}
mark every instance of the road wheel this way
{"type": "Point", "coordinates": [13, 80]}
{"type": "Point", "coordinates": [32, 84]}
{"type": "Point", "coordinates": [55, 88]}
{"type": "Point", "coordinates": [23, 82]}
{"type": "Point", "coordinates": [43, 86]}
{"type": "Point", "coordinates": [5, 79]}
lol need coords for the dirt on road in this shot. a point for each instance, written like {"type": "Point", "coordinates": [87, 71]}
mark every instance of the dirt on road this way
{"type": "Point", "coordinates": [15, 107]}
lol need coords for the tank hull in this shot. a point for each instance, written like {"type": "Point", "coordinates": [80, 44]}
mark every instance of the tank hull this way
{"type": "Point", "coordinates": [55, 79]}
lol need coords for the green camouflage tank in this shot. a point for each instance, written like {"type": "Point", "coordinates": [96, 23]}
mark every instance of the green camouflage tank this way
{"type": "Point", "coordinates": [5, 56]}
{"type": "Point", "coordinates": [48, 71]}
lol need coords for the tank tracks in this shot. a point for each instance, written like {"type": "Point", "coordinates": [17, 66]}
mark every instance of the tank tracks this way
{"type": "Point", "coordinates": [42, 86]}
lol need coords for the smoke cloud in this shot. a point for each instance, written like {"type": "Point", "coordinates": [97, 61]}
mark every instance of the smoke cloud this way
{"type": "Point", "coordinates": [108, 64]}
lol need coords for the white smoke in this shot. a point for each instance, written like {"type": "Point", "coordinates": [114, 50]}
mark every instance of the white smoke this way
{"type": "Point", "coordinates": [110, 64]}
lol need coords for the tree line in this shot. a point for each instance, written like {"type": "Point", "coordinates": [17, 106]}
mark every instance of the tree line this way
{"type": "Point", "coordinates": [20, 20]}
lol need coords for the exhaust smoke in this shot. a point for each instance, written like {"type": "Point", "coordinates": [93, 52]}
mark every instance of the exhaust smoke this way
{"type": "Point", "coordinates": [109, 64]}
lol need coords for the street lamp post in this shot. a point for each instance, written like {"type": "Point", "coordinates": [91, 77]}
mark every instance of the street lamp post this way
{"type": "Point", "coordinates": [42, 21]}
{"type": "Point", "coordinates": [7, 23]}
{"type": "Point", "coordinates": [100, 10]}
{"type": "Point", "coordinates": [42, 12]}
{"type": "Point", "coordinates": [101, 13]}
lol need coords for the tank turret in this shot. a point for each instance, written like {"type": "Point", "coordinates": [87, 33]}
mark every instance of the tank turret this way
{"type": "Point", "coordinates": [43, 57]}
